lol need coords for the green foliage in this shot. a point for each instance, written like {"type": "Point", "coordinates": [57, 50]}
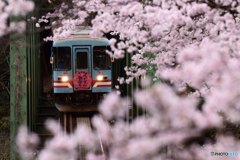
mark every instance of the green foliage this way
{"type": "Point", "coordinates": [4, 119]}
{"type": "Point", "coordinates": [5, 124]}
{"type": "Point", "coordinates": [4, 111]}
{"type": "Point", "coordinates": [5, 150]}
{"type": "Point", "coordinates": [150, 68]}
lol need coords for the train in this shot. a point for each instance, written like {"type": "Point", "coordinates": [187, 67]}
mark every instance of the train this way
{"type": "Point", "coordinates": [81, 71]}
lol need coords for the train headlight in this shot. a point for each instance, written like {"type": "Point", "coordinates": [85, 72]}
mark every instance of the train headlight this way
{"type": "Point", "coordinates": [64, 78]}
{"type": "Point", "coordinates": [99, 77]}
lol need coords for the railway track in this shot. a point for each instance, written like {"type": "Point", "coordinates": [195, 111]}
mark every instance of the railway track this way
{"type": "Point", "coordinates": [70, 122]}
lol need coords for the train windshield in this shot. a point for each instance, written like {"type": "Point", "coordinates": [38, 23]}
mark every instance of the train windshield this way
{"type": "Point", "coordinates": [82, 60]}
{"type": "Point", "coordinates": [101, 59]}
{"type": "Point", "coordinates": [62, 58]}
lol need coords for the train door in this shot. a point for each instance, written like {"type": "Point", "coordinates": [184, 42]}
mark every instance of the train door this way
{"type": "Point", "coordinates": [82, 64]}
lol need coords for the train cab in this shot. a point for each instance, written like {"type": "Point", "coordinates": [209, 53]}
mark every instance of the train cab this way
{"type": "Point", "coordinates": [82, 72]}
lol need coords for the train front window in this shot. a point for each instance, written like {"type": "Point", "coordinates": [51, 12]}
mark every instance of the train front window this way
{"type": "Point", "coordinates": [101, 59]}
{"type": "Point", "coordinates": [82, 60]}
{"type": "Point", "coordinates": [62, 58]}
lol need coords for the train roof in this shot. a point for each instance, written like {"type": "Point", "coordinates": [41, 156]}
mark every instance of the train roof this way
{"type": "Point", "coordinates": [81, 40]}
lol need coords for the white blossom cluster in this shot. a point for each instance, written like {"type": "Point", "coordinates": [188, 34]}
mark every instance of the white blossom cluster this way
{"type": "Point", "coordinates": [11, 8]}
{"type": "Point", "coordinates": [171, 122]}
{"type": "Point", "coordinates": [195, 48]}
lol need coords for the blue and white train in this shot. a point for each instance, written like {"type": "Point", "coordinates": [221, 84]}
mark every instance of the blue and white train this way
{"type": "Point", "coordinates": [82, 72]}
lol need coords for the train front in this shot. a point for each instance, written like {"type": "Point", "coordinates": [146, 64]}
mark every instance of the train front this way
{"type": "Point", "coordinates": [81, 73]}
